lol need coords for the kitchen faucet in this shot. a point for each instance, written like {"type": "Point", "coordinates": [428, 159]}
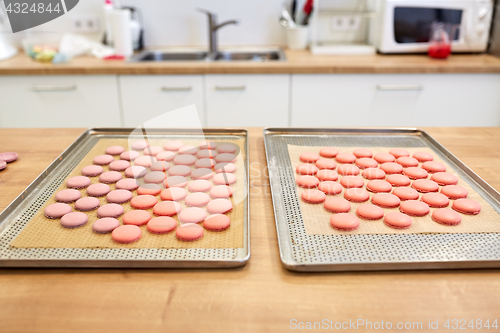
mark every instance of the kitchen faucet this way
{"type": "Point", "coordinates": [212, 31]}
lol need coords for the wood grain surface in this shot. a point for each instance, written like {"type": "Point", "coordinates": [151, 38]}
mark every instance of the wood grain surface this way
{"type": "Point", "coordinates": [260, 297]}
{"type": "Point", "coordinates": [298, 61]}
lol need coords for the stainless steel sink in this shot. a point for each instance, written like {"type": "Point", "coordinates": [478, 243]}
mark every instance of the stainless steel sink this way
{"type": "Point", "coordinates": [236, 55]}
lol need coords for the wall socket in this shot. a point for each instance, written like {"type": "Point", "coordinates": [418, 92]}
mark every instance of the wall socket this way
{"type": "Point", "coordinates": [86, 23]}
{"type": "Point", "coordinates": [345, 23]}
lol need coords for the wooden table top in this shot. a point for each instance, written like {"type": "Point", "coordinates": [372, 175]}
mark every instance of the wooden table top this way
{"type": "Point", "coordinates": [298, 61]}
{"type": "Point", "coordinates": [260, 297]}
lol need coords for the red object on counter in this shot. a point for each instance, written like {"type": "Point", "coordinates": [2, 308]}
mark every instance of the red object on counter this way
{"type": "Point", "coordinates": [439, 50]}
{"type": "Point", "coordinates": [114, 57]}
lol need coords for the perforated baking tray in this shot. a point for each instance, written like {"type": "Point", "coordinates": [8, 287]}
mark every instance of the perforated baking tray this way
{"type": "Point", "coordinates": [302, 252]}
{"type": "Point", "coordinates": [18, 214]}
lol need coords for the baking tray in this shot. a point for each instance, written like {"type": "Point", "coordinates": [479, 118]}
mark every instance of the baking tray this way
{"type": "Point", "coordinates": [23, 208]}
{"type": "Point", "coordinates": [302, 252]}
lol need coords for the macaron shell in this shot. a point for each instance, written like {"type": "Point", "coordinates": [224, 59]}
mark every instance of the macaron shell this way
{"type": "Point", "coordinates": [329, 152]}
{"type": "Point", "coordinates": [436, 200]}
{"type": "Point", "coordinates": [327, 175]}
{"type": "Point", "coordinates": [307, 181]}
{"type": "Point", "coordinates": [92, 170]}
{"type": "Point", "coordinates": [167, 208]}
{"type": "Point", "coordinates": [397, 220]}
{"type": "Point", "coordinates": [337, 205]}
{"type": "Point", "coordinates": [446, 216]}
{"type": "Point", "coordinates": [126, 234]}
{"type": "Point", "coordinates": [136, 217]}
{"type": "Point", "coordinates": [120, 165]}
{"type": "Point", "coordinates": [444, 178]}
{"type": "Point", "coordinates": [227, 148]}
{"type": "Point", "coordinates": [57, 210]}
{"type": "Point", "coordinates": [189, 232]}
{"type": "Point", "coordinates": [348, 170]}
{"type": "Point", "coordinates": [414, 208]}
{"type": "Point", "coordinates": [87, 204]}
{"type": "Point", "coordinates": [356, 195]}
{"type": "Point", "coordinates": [105, 225]}
{"type": "Point", "coordinates": [161, 225]}
{"type": "Point", "coordinates": [365, 162]}
{"type": "Point", "coordinates": [309, 157]}
{"type": "Point", "coordinates": [467, 206]}
{"type": "Point", "coordinates": [197, 199]}
{"type": "Point", "coordinates": [363, 153]}
{"type": "Point", "coordinates": [326, 163]}
{"type": "Point", "coordinates": [454, 191]}
{"type": "Point", "coordinates": [391, 168]}
{"type": "Point", "coordinates": [119, 196]}
{"type": "Point", "coordinates": [74, 220]}
{"type": "Point", "coordinates": [173, 194]}
{"type": "Point", "coordinates": [370, 212]}
{"type": "Point", "coordinates": [110, 177]}
{"type": "Point", "coordinates": [139, 144]}
{"type": "Point", "coordinates": [67, 196]}
{"type": "Point", "coordinates": [219, 206]}
{"type": "Point", "coordinates": [221, 192]}
{"type": "Point", "coordinates": [8, 157]}
{"type": "Point", "coordinates": [313, 196]}
{"type": "Point", "coordinates": [306, 169]}
{"type": "Point", "coordinates": [217, 222]}
{"type": "Point", "coordinates": [143, 201]}
{"type": "Point", "coordinates": [192, 215]}
{"type": "Point", "coordinates": [386, 200]}
{"type": "Point", "coordinates": [345, 157]}
{"type": "Point", "coordinates": [110, 210]}
{"type": "Point", "coordinates": [352, 182]}
{"type": "Point", "coordinates": [344, 222]}
{"type": "Point", "coordinates": [330, 187]}
{"type": "Point", "coordinates": [98, 190]}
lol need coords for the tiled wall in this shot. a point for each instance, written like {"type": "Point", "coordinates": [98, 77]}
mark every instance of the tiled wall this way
{"type": "Point", "coordinates": [169, 22]}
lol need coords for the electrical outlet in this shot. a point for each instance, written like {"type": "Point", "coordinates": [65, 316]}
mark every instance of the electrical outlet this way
{"type": "Point", "coordinates": [86, 23]}
{"type": "Point", "coordinates": [345, 23]}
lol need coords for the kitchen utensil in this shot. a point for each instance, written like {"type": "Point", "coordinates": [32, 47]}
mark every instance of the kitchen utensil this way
{"type": "Point", "coordinates": [288, 18]}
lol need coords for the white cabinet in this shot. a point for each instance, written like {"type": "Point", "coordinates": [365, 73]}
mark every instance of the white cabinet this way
{"type": "Point", "coordinates": [247, 100]}
{"type": "Point", "coordinates": [59, 101]}
{"type": "Point", "coordinates": [152, 98]}
{"type": "Point", "coordinates": [395, 100]}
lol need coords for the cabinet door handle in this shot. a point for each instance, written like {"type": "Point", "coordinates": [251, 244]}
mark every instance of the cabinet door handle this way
{"type": "Point", "coordinates": [398, 87]}
{"type": "Point", "coordinates": [230, 88]}
{"type": "Point", "coordinates": [189, 88]}
{"type": "Point", "coordinates": [54, 88]}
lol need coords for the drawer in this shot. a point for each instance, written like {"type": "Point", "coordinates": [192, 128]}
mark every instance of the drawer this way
{"type": "Point", "coordinates": [59, 101]}
{"type": "Point", "coordinates": [247, 100]}
{"type": "Point", "coordinates": [154, 99]}
{"type": "Point", "coordinates": [396, 100]}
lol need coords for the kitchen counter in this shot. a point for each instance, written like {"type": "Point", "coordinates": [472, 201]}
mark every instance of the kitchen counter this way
{"type": "Point", "coordinates": [298, 62]}
{"type": "Point", "coordinates": [260, 297]}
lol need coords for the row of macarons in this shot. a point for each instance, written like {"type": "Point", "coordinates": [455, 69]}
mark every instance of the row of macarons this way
{"type": "Point", "coordinates": [130, 231]}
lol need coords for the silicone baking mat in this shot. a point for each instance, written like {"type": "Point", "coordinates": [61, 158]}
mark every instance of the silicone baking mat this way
{"type": "Point", "coordinates": [47, 244]}
{"type": "Point", "coordinates": [317, 219]}
{"type": "Point", "coordinates": [42, 232]}
{"type": "Point", "coordinates": [305, 247]}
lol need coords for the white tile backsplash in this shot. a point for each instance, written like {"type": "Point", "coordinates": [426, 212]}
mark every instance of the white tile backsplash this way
{"type": "Point", "coordinates": [177, 23]}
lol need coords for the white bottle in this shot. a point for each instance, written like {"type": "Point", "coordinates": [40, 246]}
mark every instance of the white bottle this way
{"type": "Point", "coordinates": [108, 9]}
{"type": "Point", "coordinates": [122, 33]}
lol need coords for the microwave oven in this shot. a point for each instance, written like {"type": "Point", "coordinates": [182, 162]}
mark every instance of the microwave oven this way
{"type": "Point", "coordinates": [404, 26]}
